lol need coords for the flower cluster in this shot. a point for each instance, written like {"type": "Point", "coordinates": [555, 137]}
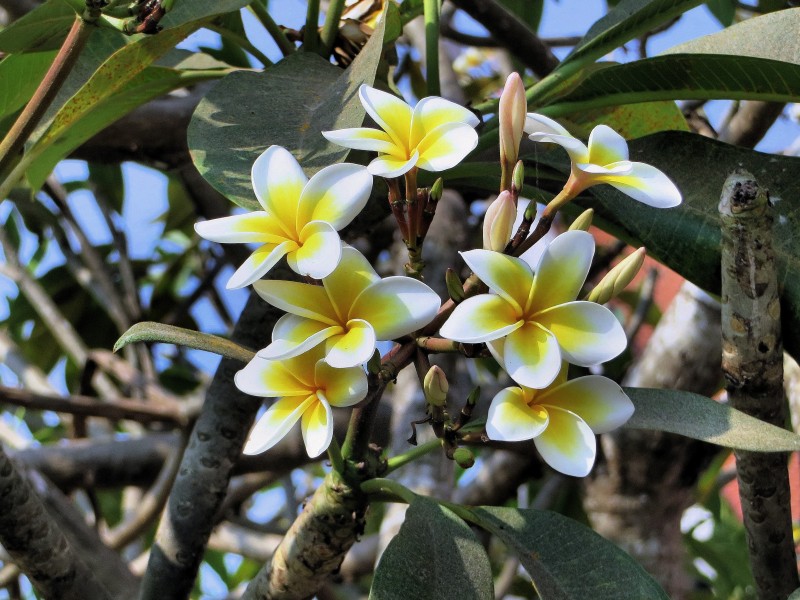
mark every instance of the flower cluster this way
{"type": "Point", "coordinates": [530, 319]}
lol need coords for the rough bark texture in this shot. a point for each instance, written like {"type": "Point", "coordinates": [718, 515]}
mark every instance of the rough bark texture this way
{"type": "Point", "coordinates": [37, 545]}
{"type": "Point", "coordinates": [315, 545]}
{"type": "Point", "coordinates": [624, 501]}
{"type": "Point", "coordinates": [214, 448]}
{"type": "Point", "coordinates": [752, 360]}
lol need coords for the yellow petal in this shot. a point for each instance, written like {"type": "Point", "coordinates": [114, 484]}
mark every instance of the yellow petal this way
{"type": "Point", "coordinates": [511, 419]}
{"type": "Point", "coordinates": [301, 299]}
{"type": "Point", "coordinates": [352, 276]}
{"type": "Point", "coordinates": [317, 428]}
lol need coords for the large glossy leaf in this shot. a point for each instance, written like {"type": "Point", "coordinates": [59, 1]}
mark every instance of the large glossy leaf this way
{"type": "Point", "coordinates": [43, 28]}
{"type": "Point", "coordinates": [681, 77]}
{"type": "Point", "coordinates": [567, 560]}
{"type": "Point", "coordinates": [435, 556]}
{"type": "Point", "coordinates": [626, 21]}
{"type": "Point", "coordinates": [288, 104]}
{"type": "Point", "coordinates": [704, 419]}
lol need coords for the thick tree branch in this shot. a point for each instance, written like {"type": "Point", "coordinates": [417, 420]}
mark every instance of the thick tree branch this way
{"type": "Point", "coordinates": [750, 123]}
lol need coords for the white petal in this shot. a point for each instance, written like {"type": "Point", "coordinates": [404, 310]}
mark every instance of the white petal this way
{"type": "Point", "coordinates": [648, 185]}
{"type": "Point", "coordinates": [352, 276]}
{"type": "Point", "coordinates": [507, 276]}
{"type": "Point", "coordinates": [335, 194]}
{"type": "Point", "coordinates": [606, 146]}
{"type": "Point", "coordinates": [353, 347]}
{"type": "Point", "coordinates": [270, 378]}
{"type": "Point", "coordinates": [361, 138]}
{"type": "Point", "coordinates": [531, 356]}
{"type": "Point", "coordinates": [278, 181]}
{"type": "Point", "coordinates": [252, 227]}
{"type": "Point", "coordinates": [342, 387]}
{"type": "Point", "coordinates": [510, 418]}
{"type": "Point", "coordinates": [320, 251]}
{"type": "Point", "coordinates": [432, 112]}
{"type": "Point", "coordinates": [302, 299]}
{"type": "Point", "coordinates": [598, 172]}
{"type": "Point", "coordinates": [389, 112]}
{"type": "Point", "coordinates": [562, 270]}
{"type": "Point", "coordinates": [597, 400]}
{"type": "Point", "coordinates": [568, 444]}
{"type": "Point", "coordinates": [293, 335]}
{"type": "Point", "coordinates": [259, 263]}
{"type": "Point", "coordinates": [317, 427]}
{"type": "Point", "coordinates": [276, 423]}
{"type": "Point", "coordinates": [396, 306]}
{"type": "Point", "coordinates": [481, 318]}
{"type": "Point", "coordinates": [388, 166]}
{"type": "Point", "coordinates": [446, 146]}
{"type": "Point", "coordinates": [536, 123]}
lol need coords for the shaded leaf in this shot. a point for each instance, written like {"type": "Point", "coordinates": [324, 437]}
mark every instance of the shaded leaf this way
{"type": "Point", "coordinates": [19, 78]}
{"type": "Point", "coordinates": [567, 560]}
{"type": "Point", "coordinates": [723, 10]}
{"type": "Point", "coordinates": [149, 331]}
{"type": "Point", "coordinates": [631, 120]}
{"type": "Point", "coordinates": [43, 28]}
{"type": "Point", "coordinates": [289, 104]}
{"type": "Point", "coordinates": [702, 418]}
{"type": "Point", "coordinates": [435, 556]}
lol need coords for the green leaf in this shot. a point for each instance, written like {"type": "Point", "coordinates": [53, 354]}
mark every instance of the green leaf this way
{"type": "Point", "coordinates": [723, 10]}
{"type": "Point", "coordinates": [43, 28]}
{"type": "Point", "coordinates": [108, 182]}
{"type": "Point", "coordinates": [795, 595]}
{"type": "Point", "coordinates": [631, 120]}
{"type": "Point", "coordinates": [19, 77]}
{"type": "Point", "coordinates": [683, 76]}
{"type": "Point", "coordinates": [567, 560]}
{"type": "Point", "coordinates": [704, 419]}
{"type": "Point", "coordinates": [168, 334]}
{"type": "Point", "coordinates": [289, 104]}
{"type": "Point", "coordinates": [435, 556]}
{"type": "Point", "coordinates": [627, 20]}
{"type": "Point", "coordinates": [772, 36]}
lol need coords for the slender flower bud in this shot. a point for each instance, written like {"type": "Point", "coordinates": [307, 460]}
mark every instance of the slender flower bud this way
{"type": "Point", "coordinates": [617, 278]}
{"type": "Point", "coordinates": [512, 113]}
{"type": "Point", "coordinates": [436, 190]}
{"type": "Point", "coordinates": [583, 222]}
{"type": "Point", "coordinates": [518, 178]}
{"type": "Point", "coordinates": [498, 222]}
{"type": "Point", "coordinates": [435, 386]}
{"type": "Point", "coordinates": [455, 287]}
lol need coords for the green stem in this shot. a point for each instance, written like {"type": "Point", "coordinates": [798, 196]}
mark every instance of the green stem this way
{"type": "Point", "coordinates": [335, 456]}
{"type": "Point", "coordinates": [242, 42]}
{"type": "Point", "coordinates": [401, 460]}
{"type": "Point", "coordinates": [431, 8]}
{"type": "Point", "coordinates": [44, 95]}
{"type": "Point", "coordinates": [331, 27]}
{"type": "Point", "coordinates": [310, 36]}
{"type": "Point", "coordinates": [381, 485]}
{"type": "Point", "coordinates": [262, 14]}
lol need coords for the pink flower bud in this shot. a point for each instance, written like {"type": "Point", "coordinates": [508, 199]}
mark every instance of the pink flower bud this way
{"type": "Point", "coordinates": [513, 107]}
{"type": "Point", "coordinates": [498, 222]}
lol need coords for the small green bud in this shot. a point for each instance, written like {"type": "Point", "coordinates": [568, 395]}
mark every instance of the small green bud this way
{"type": "Point", "coordinates": [518, 176]}
{"type": "Point", "coordinates": [583, 222]}
{"type": "Point", "coordinates": [435, 386]}
{"type": "Point", "coordinates": [530, 212]}
{"type": "Point", "coordinates": [617, 278]}
{"type": "Point", "coordinates": [464, 458]}
{"type": "Point", "coordinates": [455, 287]}
{"type": "Point", "coordinates": [436, 190]}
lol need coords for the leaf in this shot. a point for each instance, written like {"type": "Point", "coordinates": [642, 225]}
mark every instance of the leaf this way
{"type": "Point", "coordinates": [701, 418]}
{"type": "Point", "coordinates": [435, 556]}
{"type": "Point", "coordinates": [772, 36]}
{"type": "Point", "coordinates": [19, 78]}
{"type": "Point", "coordinates": [567, 560]}
{"type": "Point", "coordinates": [289, 104]}
{"type": "Point", "coordinates": [627, 20]}
{"type": "Point", "coordinates": [43, 28]}
{"type": "Point", "coordinates": [157, 332]}
{"type": "Point", "coordinates": [631, 120]}
{"type": "Point", "coordinates": [723, 10]}
{"type": "Point", "coordinates": [795, 595]}
{"type": "Point", "coordinates": [681, 77]}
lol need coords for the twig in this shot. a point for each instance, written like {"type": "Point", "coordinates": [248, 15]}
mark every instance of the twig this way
{"type": "Point", "coordinates": [752, 361]}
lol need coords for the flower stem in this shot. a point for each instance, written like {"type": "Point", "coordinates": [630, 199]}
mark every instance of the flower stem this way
{"type": "Point", "coordinates": [335, 456]}
{"type": "Point", "coordinates": [438, 345]}
{"type": "Point", "coordinates": [44, 95]}
{"type": "Point", "coordinates": [431, 8]}
{"type": "Point", "coordinates": [262, 14]}
{"type": "Point", "coordinates": [401, 460]}
{"type": "Point", "coordinates": [379, 485]}
{"type": "Point", "coordinates": [310, 35]}
{"type": "Point", "coordinates": [331, 27]}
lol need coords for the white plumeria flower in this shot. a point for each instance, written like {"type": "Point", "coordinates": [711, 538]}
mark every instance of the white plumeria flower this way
{"type": "Point", "coordinates": [605, 160]}
{"type": "Point", "coordinates": [350, 312]}
{"type": "Point", "coordinates": [531, 322]}
{"type": "Point", "coordinates": [300, 220]}
{"type": "Point", "coordinates": [436, 135]}
{"type": "Point", "coordinates": [562, 419]}
{"type": "Point", "coordinates": [306, 389]}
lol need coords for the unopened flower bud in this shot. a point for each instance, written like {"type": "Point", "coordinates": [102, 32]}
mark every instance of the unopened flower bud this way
{"type": "Point", "coordinates": [583, 222]}
{"type": "Point", "coordinates": [498, 222]}
{"type": "Point", "coordinates": [455, 287]}
{"type": "Point", "coordinates": [464, 458]}
{"type": "Point", "coordinates": [436, 190]}
{"type": "Point", "coordinates": [617, 278]}
{"type": "Point", "coordinates": [435, 386]}
{"type": "Point", "coordinates": [518, 177]}
{"type": "Point", "coordinates": [512, 114]}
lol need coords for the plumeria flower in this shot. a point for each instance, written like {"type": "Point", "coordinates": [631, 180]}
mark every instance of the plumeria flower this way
{"type": "Point", "coordinates": [531, 321]}
{"type": "Point", "coordinates": [436, 135]}
{"type": "Point", "coordinates": [300, 220]}
{"type": "Point", "coordinates": [306, 389]}
{"type": "Point", "coordinates": [349, 313]}
{"type": "Point", "coordinates": [605, 160]}
{"type": "Point", "coordinates": [562, 419]}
